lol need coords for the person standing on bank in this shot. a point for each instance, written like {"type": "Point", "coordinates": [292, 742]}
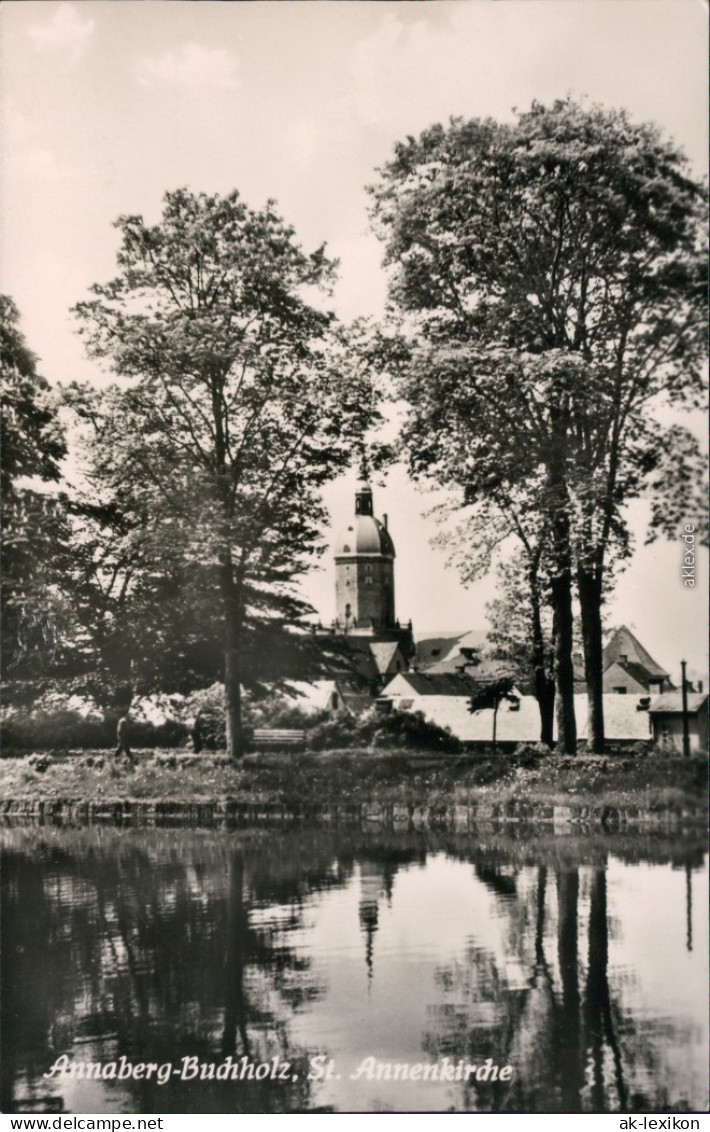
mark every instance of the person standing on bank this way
{"type": "Point", "coordinates": [123, 747]}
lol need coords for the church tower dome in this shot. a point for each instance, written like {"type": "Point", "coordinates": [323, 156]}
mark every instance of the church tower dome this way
{"type": "Point", "coordinates": [364, 569]}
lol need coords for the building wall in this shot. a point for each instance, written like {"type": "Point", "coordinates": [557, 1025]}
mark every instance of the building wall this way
{"type": "Point", "coordinates": [365, 591]}
{"type": "Point", "coordinates": [617, 677]}
{"type": "Point", "coordinates": [668, 732]}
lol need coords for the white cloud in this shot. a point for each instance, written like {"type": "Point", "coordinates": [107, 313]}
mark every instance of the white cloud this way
{"type": "Point", "coordinates": [66, 31]}
{"type": "Point", "coordinates": [191, 66]}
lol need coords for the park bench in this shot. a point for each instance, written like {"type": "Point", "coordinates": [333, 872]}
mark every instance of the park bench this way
{"type": "Point", "coordinates": [278, 737]}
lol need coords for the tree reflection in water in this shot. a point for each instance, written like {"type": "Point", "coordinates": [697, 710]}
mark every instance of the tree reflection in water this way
{"type": "Point", "coordinates": [572, 1051]}
{"type": "Point", "coordinates": [170, 965]}
{"type": "Point", "coordinates": [161, 944]}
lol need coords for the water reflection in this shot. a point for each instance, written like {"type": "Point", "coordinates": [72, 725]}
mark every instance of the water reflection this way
{"type": "Point", "coordinates": [576, 960]}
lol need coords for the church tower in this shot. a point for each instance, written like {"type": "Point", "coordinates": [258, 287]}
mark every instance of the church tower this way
{"type": "Point", "coordinates": [364, 570]}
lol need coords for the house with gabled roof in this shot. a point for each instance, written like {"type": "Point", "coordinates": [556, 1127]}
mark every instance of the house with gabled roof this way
{"type": "Point", "coordinates": [666, 714]}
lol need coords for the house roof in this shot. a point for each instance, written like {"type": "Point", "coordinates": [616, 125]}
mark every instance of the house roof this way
{"type": "Point", "coordinates": [352, 656]}
{"type": "Point", "coordinates": [430, 650]}
{"type": "Point", "coordinates": [485, 669]}
{"type": "Point", "coordinates": [442, 647]}
{"type": "Point", "coordinates": [313, 695]}
{"type": "Point", "coordinates": [437, 684]}
{"type": "Point", "coordinates": [624, 643]}
{"type": "Point", "coordinates": [444, 704]}
{"type": "Point", "coordinates": [512, 726]}
{"type": "Point", "coordinates": [623, 719]}
{"type": "Point", "coordinates": [671, 703]}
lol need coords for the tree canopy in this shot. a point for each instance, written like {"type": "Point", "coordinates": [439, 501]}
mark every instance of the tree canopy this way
{"type": "Point", "coordinates": [242, 399]}
{"type": "Point", "coordinates": [33, 526]}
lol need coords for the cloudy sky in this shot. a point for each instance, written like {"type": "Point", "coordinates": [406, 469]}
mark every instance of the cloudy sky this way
{"type": "Point", "coordinates": [105, 105]}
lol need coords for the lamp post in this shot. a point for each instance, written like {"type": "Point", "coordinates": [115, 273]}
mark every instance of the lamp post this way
{"type": "Point", "coordinates": [684, 701]}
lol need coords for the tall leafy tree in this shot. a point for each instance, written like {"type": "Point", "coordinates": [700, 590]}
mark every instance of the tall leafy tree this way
{"type": "Point", "coordinates": [33, 523]}
{"type": "Point", "coordinates": [240, 400]}
{"type": "Point", "coordinates": [576, 236]}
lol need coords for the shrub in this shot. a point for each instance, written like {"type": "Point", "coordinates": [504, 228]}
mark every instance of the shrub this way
{"type": "Point", "coordinates": [341, 729]}
{"type": "Point", "coordinates": [171, 733]}
{"type": "Point", "coordinates": [53, 730]}
{"type": "Point", "coordinates": [529, 754]}
{"type": "Point", "coordinates": [69, 730]}
{"type": "Point", "coordinates": [398, 730]}
{"type": "Point", "coordinates": [410, 730]}
{"type": "Point", "coordinates": [39, 763]}
{"type": "Point", "coordinates": [640, 750]}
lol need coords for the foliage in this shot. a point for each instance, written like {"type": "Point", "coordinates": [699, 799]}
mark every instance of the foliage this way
{"type": "Point", "coordinates": [32, 438]}
{"type": "Point", "coordinates": [411, 731]}
{"type": "Point", "coordinates": [549, 276]}
{"type": "Point", "coordinates": [63, 730]}
{"type": "Point", "coordinates": [209, 459]}
{"type": "Point", "coordinates": [33, 523]}
{"type": "Point", "coordinates": [510, 617]}
{"type": "Point", "coordinates": [529, 754]}
{"type": "Point", "coordinates": [393, 730]}
{"type": "Point", "coordinates": [492, 693]}
{"type": "Point", "coordinates": [339, 730]}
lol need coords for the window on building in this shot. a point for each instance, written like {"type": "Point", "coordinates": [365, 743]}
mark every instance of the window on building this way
{"type": "Point", "coordinates": [620, 690]}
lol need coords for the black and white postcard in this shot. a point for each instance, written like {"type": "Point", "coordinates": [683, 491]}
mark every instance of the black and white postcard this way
{"type": "Point", "coordinates": [354, 557]}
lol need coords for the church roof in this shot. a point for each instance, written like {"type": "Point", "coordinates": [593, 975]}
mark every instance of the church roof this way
{"type": "Point", "coordinates": [364, 534]}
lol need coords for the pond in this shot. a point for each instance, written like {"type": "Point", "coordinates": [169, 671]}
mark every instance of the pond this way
{"type": "Point", "coordinates": [347, 970]}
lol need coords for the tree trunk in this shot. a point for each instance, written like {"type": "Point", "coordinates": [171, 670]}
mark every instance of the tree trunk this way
{"type": "Point", "coordinates": [569, 1057]}
{"type": "Point", "coordinates": [564, 669]}
{"type": "Point", "coordinates": [561, 586]}
{"type": "Point", "coordinates": [232, 663]}
{"type": "Point", "coordinates": [589, 585]}
{"type": "Point", "coordinates": [236, 1009]}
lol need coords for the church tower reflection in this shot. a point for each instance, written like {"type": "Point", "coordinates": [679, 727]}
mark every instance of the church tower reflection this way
{"type": "Point", "coordinates": [372, 889]}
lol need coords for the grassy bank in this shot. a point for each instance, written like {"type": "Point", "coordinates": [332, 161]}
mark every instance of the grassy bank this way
{"type": "Point", "coordinates": [301, 780]}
